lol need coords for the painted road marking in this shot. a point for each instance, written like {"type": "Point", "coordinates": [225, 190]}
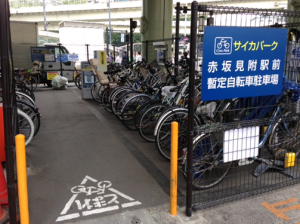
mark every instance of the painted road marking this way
{"type": "Point", "coordinates": [280, 212]}
{"type": "Point", "coordinates": [94, 197]}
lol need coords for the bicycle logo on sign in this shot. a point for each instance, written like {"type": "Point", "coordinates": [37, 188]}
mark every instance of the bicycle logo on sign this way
{"type": "Point", "coordinates": [223, 45]}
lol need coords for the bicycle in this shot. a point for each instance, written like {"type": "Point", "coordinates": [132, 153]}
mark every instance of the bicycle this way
{"type": "Point", "coordinates": [209, 165]}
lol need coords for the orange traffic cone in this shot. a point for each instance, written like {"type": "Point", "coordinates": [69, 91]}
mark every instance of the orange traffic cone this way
{"type": "Point", "coordinates": [3, 197]}
{"type": "Point", "coordinates": [3, 188]}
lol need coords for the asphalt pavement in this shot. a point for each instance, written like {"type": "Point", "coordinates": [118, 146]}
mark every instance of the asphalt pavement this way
{"type": "Point", "coordinates": [85, 166]}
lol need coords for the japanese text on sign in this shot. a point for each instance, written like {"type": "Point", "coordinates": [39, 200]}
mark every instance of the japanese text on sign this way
{"type": "Point", "coordinates": [242, 59]}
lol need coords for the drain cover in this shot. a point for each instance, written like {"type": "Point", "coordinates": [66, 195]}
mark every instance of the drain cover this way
{"type": "Point", "coordinates": [135, 220]}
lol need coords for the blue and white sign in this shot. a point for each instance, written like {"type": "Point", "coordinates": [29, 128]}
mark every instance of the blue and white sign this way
{"type": "Point", "coordinates": [122, 37]}
{"type": "Point", "coordinates": [242, 62]}
{"type": "Point", "coordinates": [73, 57]}
{"type": "Point", "coordinates": [62, 57]}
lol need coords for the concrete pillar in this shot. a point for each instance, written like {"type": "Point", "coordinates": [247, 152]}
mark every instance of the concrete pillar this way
{"type": "Point", "coordinates": [156, 23]}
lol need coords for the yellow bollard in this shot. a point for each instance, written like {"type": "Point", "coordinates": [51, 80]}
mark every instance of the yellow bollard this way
{"type": "Point", "coordinates": [174, 168]}
{"type": "Point", "coordinates": [22, 178]}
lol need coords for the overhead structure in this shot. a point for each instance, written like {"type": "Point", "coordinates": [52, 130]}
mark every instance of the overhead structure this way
{"type": "Point", "coordinates": [156, 24]}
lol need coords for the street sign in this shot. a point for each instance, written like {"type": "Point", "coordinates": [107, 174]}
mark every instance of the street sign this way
{"type": "Point", "coordinates": [242, 62]}
{"type": "Point", "coordinates": [62, 57]}
{"type": "Point", "coordinates": [122, 37]}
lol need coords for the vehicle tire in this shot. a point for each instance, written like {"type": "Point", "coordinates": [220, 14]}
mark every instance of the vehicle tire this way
{"type": "Point", "coordinates": [122, 100]}
{"type": "Point", "coordinates": [77, 81]}
{"type": "Point", "coordinates": [32, 113]}
{"type": "Point", "coordinates": [148, 121]}
{"type": "Point", "coordinates": [285, 135]}
{"type": "Point", "coordinates": [95, 90]}
{"type": "Point", "coordinates": [49, 83]}
{"type": "Point", "coordinates": [163, 136]}
{"type": "Point", "coordinates": [208, 167]}
{"type": "Point", "coordinates": [34, 83]}
{"type": "Point", "coordinates": [105, 102]}
{"type": "Point", "coordinates": [130, 109]}
{"type": "Point", "coordinates": [26, 126]}
{"type": "Point", "coordinates": [115, 97]}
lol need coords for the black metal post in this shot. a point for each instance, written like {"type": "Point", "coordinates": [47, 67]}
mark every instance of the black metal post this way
{"type": "Point", "coordinates": [61, 73]}
{"type": "Point", "coordinates": [131, 43]}
{"type": "Point", "coordinates": [87, 53]}
{"type": "Point", "coordinates": [177, 36]}
{"type": "Point", "coordinates": [107, 50]}
{"type": "Point", "coordinates": [7, 107]}
{"type": "Point", "coordinates": [114, 53]}
{"type": "Point", "coordinates": [147, 51]}
{"type": "Point", "coordinates": [194, 13]}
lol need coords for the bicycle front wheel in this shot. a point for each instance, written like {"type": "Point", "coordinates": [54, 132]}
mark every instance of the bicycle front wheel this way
{"type": "Point", "coordinates": [26, 126]}
{"type": "Point", "coordinates": [208, 166]}
{"type": "Point", "coordinates": [163, 136]}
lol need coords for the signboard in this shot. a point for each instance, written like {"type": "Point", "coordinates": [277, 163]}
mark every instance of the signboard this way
{"type": "Point", "coordinates": [73, 57]}
{"type": "Point", "coordinates": [49, 57]}
{"type": "Point", "coordinates": [63, 57]}
{"type": "Point", "coordinates": [51, 75]}
{"type": "Point", "coordinates": [122, 37]}
{"type": "Point", "coordinates": [242, 62]}
{"type": "Point", "coordinates": [38, 53]}
{"type": "Point", "coordinates": [102, 58]}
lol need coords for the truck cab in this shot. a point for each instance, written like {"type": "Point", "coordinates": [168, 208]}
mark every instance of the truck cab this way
{"type": "Point", "coordinates": [65, 68]}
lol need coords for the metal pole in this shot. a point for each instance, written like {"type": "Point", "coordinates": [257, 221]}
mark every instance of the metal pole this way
{"type": "Point", "coordinates": [177, 36]}
{"type": "Point", "coordinates": [147, 51]}
{"type": "Point", "coordinates": [131, 43]}
{"type": "Point", "coordinates": [194, 13]}
{"type": "Point", "coordinates": [7, 107]}
{"type": "Point", "coordinates": [107, 50]}
{"type": "Point", "coordinates": [109, 23]}
{"type": "Point", "coordinates": [114, 53]}
{"type": "Point", "coordinates": [60, 59]}
{"type": "Point", "coordinates": [45, 19]}
{"type": "Point", "coordinates": [87, 53]}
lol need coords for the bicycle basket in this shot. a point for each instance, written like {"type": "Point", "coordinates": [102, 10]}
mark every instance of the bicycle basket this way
{"type": "Point", "coordinates": [153, 66]}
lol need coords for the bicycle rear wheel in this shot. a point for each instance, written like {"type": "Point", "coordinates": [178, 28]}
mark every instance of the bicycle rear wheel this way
{"type": "Point", "coordinates": [285, 135]}
{"type": "Point", "coordinates": [148, 120]}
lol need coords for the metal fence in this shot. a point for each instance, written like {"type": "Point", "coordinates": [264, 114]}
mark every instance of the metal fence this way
{"type": "Point", "coordinates": [243, 146]}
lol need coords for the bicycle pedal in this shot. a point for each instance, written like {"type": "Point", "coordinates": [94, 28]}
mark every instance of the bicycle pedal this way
{"type": "Point", "coordinates": [247, 161]}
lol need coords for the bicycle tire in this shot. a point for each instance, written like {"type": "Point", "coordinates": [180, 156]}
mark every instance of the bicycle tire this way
{"type": "Point", "coordinates": [25, 97]}
{"type": "Point", "coordinates": [31, 112]}
{"type": "Point", "coordinates": [25, 90]}
{"type": "Point", "coordinates": [205, 165]}
{"type": "Point", "coordinates": [130, 109]}
{"type": "Point", "coordinates": [148, 121]}
{"type": "Point", "coordinates": [95, 89]}
{"type": "Point", "coordinates": [105, 96]}
{"type": "Point", "coordinates": [163, 136]}
{"type": "Point", "coordinates": [285, 135]}
{"type": "Point", "coordinates": [115, 97]}
{"type": "Point", "coordinates": [122, 100]}
{"type": "Point", "coordinates": [34, 83]}
{"type": "Point", "coordinates": [25, 123]}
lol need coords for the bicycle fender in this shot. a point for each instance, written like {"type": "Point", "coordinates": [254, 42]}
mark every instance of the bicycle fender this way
{"type": "Point", "coordinates": [165, 114]}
